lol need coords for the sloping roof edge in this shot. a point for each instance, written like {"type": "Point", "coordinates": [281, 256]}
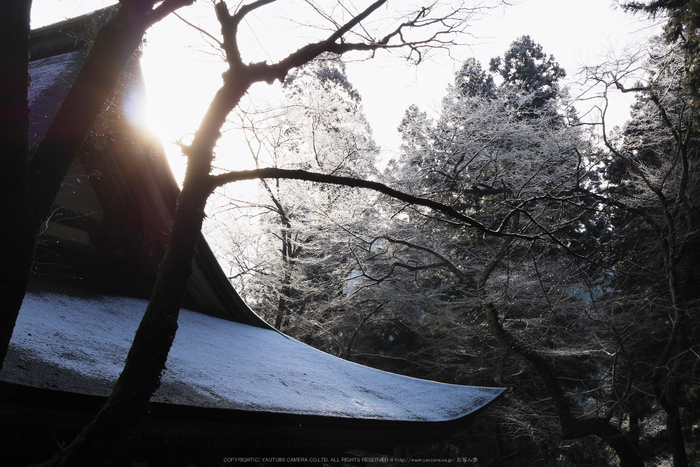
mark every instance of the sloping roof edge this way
{"type": "Point", "coordinates": [236, 308]}
{"type": "Point", "coordinates": [69, 35]}
{"type": "Point", "coordinates": [80, 343]}
{"type": "Point", "coordinates": [209, 290]}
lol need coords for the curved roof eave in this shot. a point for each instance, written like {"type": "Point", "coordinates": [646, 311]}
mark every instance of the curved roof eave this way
{"type": "Point", "coordinates": [220, 364]}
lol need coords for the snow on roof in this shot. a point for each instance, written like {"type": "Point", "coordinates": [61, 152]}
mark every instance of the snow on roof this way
{"type": "Point", "coordinates": [226, 364]}
{"type": "Point", "coordinates": [51, 78]}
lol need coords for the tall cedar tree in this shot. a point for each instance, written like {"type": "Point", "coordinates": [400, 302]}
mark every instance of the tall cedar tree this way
{"type": "Point", "coordinates": [682, 26]}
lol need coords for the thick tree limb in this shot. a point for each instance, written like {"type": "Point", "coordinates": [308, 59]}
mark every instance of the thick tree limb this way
{"type": "Point", "coordinates": [572, 427]}
{"type": "Point", "coordinates": [154, 337]}
{"type": "Point", "coordinates": [164, 9]}
{"type": "Point", "coordinates": [444, 262]}
{"type": "Point", "coordinates": [220, 180]}
{"type": "Point", "coordinates": [17, 202]}
{"type": "Point", "coordinates": [112, 49]}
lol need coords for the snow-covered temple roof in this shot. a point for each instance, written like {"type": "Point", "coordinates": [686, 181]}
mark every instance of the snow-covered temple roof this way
{"type": "Point", "coordinates": [227, 367]}
{"type": "Point", "coordinates": [219, 363]}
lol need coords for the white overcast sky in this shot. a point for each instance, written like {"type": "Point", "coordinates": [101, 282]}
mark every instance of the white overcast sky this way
{"type": "Point", "coordinates": [181, 78]}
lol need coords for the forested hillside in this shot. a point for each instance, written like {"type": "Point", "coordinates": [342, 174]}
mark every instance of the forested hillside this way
{"type": "Point", "coordinates": [512, 242]}
{"type": "Point", "coordinates": [575, 285]}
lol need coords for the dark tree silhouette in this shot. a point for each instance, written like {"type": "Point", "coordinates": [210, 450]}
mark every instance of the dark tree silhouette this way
{"type": "Point", "coordinates": [30, 182]}
{"type": "Point", "coordinates": [107, 437]}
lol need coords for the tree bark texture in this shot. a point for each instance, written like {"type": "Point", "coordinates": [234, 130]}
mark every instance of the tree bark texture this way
{"type": "Point", "coordinates": [17, 202]}
{"type": "Point", "coordinates": [106, 441]}
{"type": "Point", "coordinates": [29, 182]}
{"type": "Point", "coordinates": [108, 437]}
{"type": "Point", "coordinates": [29, 187]}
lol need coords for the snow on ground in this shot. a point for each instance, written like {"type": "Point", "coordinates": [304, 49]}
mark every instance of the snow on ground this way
{"type": "Point", "coordinates": [227, 364]}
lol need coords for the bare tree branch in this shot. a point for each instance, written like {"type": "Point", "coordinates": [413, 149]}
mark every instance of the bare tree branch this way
{"type": "Point", "coordinates": [164, 9]}
{"type": "Point", "coordinates": [219, 180]}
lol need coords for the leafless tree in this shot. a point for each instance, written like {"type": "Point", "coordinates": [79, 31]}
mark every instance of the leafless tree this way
{"type": "Point", "coordinates": [653, 191]}
{"type": "Point", "coordinates": [105, 438]}
{"type": "Point", "coordinates": [32, 180]}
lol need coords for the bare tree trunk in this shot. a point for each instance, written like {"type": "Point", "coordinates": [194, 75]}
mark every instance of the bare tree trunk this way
{"type": "Point", "coordinates": [28, 187]}
{"type": "Point", "coordinates": [664, 385]}
{"type": "Point", "coordinates": [288, 254]}
{"type": "Point", "coordinates": [674, 427]}
{"type": "Point", "coordinates": [16, 198]}
{"type": "Point", "coordinates": [106, 440]}
{"type": "Point", "coordinates": [572, 427]}
{"type": "Point", "coordinates": [663, 380]}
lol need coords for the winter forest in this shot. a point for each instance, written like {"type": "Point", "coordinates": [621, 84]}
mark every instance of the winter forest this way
{"type": "Point", "coordinates": [512, 242]}
{"type": "Point", "coordinates": [573, 284]}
